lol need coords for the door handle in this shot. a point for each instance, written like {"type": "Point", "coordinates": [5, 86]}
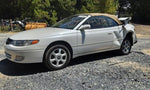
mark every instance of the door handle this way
{"type": "Point", "coordinates": [109, 33]}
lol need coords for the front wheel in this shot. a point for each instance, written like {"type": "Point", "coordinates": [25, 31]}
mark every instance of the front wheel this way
{"type": "Point", "coordinates": [57, 57]}
{"type": "Point", "coordinates": [125, 47]}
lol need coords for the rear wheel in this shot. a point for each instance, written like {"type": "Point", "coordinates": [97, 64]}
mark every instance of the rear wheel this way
{"type": "Point", "coordinates": [125, 47]}
{"type": "Point", "coordinates": [57, 57]}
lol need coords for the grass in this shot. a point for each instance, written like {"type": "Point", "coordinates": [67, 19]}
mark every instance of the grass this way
{"type": "Point", "coordinates": [6, 29]}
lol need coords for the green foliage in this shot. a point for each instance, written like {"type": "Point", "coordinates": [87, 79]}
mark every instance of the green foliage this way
{"type": "Point", "coordinates": [84, 6]}
{"type": "Point", "coordinates": [106, 6]}
{"type": "Point", "coordinates": [4, 28]}
{"type": "Point", "coordinates": [63, 8]}
{"type": "Point", "coordinates": [53, 18]}
{"type": "Point", "coordinates": [51, 11]}
{"type": "Point", "coordinates": [111, 6]}
{"type": "Point", "coordinates": [36, 9]}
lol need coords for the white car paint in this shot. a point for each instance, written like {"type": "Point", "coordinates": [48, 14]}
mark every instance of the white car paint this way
{"type": "Point", "coordinates": [82, 41]}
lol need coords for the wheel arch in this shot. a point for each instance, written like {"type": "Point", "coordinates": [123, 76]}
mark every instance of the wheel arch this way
{"type": "Point", "coordinates": [129, 35]}
{"type": "Point", "coordinates": [61, 43]}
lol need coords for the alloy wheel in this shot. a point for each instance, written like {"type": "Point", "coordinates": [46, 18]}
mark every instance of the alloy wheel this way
{"type": "Point", "coordinates": [58, 57]}
{"type": "Point", "coordinates": [126, 46]}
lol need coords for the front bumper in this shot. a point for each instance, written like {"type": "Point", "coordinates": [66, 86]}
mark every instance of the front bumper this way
{"type": "Point", "coordinates": [24, 56]}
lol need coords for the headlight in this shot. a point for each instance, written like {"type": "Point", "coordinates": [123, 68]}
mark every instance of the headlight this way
{"type": "Point", "coordinates": [22, 42]}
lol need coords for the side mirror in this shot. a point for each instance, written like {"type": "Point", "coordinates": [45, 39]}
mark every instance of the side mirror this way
{"type": "Point", "coordinates": [86, 26]}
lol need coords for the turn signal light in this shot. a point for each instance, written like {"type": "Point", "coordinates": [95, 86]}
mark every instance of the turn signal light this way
{"type": "Point", "coordinates": [35, 41]}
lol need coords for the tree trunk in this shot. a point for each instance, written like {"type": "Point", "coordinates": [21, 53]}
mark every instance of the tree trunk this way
{"type": "Point", "coordinates": [2, 27]}
{"type": "Point", "coordinates": [11, 25]}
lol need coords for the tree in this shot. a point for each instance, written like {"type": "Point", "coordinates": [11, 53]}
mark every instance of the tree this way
{"type": "Point", "coordinates": [63, 8]}
{"type": "Point", "coordinates": [106, 6]}
{"type": "Point", "coordinates": [140, 10]}
{"type": "Point", "coordinates": [84, 6]}
{"type": "Point", "coordinates": [36, 9]}
{"type": "Point", "coordinates": [9, 9]}
{"type": "Point", "coordinates": [53, 10]}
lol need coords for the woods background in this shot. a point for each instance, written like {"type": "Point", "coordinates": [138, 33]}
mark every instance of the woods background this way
{"type": "Point", "coordinates": [51, 11]}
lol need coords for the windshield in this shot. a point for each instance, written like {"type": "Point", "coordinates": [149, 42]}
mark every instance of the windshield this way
{"type": "Point", "coordinates": [69, 22]}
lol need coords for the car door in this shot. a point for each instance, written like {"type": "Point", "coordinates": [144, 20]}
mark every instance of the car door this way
{"type": "Point", "coordinates": [118, 32]}
{"type": "Point", "coordinates": [98, 37]}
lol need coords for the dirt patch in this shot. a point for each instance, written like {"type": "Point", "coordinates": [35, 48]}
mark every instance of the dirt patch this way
{"type": "Point", "coordinates": [134, 65]}
{"type": "Point", "coordinates": [146, 51]}
{"type": "Point", "coordinates": [142, 36]}
{"type": "Point", "coordinates": [142, 31]}
{"type": "Point", "coordinates": [2, 76]}
{"type": "Point", "coordinates": [3, 79]}
{"type": "Point", "coordinates": [11, 33]}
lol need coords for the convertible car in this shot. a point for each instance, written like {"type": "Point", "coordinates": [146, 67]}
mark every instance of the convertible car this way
{"type": "Point", "coordinates": [71, 37]}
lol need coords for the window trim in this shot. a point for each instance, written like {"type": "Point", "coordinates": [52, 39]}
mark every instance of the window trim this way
{"type": "Point", "coordinates": [89, 16]}
{"type": "Point", "coordinates": [111, 19]}
{"type": "Point", "coordinates": [92, 17]}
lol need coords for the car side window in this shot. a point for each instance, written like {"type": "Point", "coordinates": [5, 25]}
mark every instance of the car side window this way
{"type": "Point", "coordinates": [111, 22]}
{"type": "Point", "coordinates": [97, 22]}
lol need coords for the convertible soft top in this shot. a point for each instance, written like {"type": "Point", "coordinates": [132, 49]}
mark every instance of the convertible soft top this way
{"type": "Point", "coordinates": [104, 14]}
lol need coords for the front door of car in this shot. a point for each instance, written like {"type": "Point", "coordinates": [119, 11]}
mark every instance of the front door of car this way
{"type": "Point", "coordinates": [98, 37]}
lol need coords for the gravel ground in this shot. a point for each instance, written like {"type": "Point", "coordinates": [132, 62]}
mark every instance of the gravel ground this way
{"type": "Point", "coordinates": [101, 71]}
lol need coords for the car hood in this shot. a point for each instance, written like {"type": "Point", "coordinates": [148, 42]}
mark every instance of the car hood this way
{"type": "Point", "coordinates": [39, 33]}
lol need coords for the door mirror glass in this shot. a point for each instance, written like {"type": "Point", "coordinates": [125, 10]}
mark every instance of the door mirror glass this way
{"type": "Point", "coordinates": [86, 26]}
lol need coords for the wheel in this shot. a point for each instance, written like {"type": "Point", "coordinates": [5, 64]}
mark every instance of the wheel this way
{"type": "Point", "coordinates": [57, 57]}
{"type": "Point", "coordinates": [125, 47]}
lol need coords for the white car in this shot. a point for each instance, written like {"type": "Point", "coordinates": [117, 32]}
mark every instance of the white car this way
{"type": "Point", "coordinates": [71, 37]}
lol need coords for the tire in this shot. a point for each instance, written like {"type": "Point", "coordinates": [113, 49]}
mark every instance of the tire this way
{"type": "Point", "coordinates": [57, 57]}
{"type": "Point", "coordinates": [126, 47]}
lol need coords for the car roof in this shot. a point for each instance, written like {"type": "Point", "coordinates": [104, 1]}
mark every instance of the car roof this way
{"type": "Point", "coordinates": [103, 14]}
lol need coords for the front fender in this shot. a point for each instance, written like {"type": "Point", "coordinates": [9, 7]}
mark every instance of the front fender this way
{"type": "Point", "coordinates": [130, 30]}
